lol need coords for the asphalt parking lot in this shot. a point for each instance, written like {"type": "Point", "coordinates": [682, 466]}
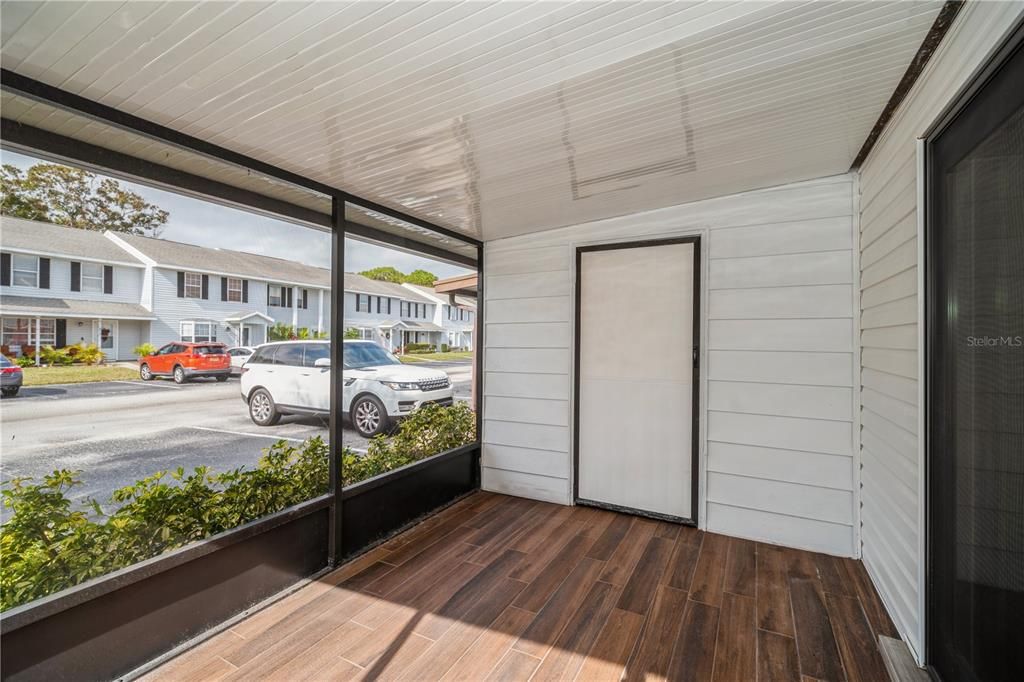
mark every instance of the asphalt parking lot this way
{"type": "Point", "coordinates": [117, 432]}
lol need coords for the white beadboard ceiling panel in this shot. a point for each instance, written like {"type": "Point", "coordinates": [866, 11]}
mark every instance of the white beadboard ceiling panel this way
{"type": "Point", "coordinates": [490, 118]}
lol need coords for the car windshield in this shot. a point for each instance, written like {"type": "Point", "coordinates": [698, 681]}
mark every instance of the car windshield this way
{"type": "Point", "coordinates": [361, 355]}
{"type": "Point", "coordinates": [209, 350]}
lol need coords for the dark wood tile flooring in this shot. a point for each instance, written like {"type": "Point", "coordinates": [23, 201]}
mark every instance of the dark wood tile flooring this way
{"type": "Point", "coordinates": [503, 588]}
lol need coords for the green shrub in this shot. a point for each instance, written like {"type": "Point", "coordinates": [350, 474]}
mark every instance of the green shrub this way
{"type": "Point", "coordinates": [25, 361]}
{"type": "Point", "coordinates": [353, 333]}
{"type": "Point", "coordinates": [48, 545]}
{"type": "Point", "coordinates": [419, 348]}
{"type": "Point", "coordinates": [445, 348]}
{"type": "Point", "coordinates": [88, 354]}
{"type": "Point", "coordinates": [49, 355]}
{"type": "Point", "coordinates": [144, 349]}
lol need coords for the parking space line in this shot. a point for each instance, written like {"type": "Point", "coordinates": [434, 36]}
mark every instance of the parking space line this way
{"type": "Point", "coordinates": [249, 435]}
{"type": "Point", "coordinates": [146, 384]}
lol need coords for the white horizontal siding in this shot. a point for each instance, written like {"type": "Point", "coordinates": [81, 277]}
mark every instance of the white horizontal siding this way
{"type": "Point", "coordinates": [777, 406]}
{"type": "Point", "coordinates": [127, 285]}
{"type": "Point", "coordinates": [892, 474]}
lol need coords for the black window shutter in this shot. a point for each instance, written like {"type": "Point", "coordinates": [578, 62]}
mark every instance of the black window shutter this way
{"type": "Point", "coordinates": [181, 285]}
{"type": "Point", "coordinates": [44, 273]}
{"type": "Point", "coordinates": [389, 306]}
{"type": "Point", "coordinates": [305, 299]}
{"type": "Point", "coordinates": [268, 296]}
{"type": "Point", "coordinates": [291, 302]}
{"type": "Point", "coordinates": [108, 279]}
{"type": "Point", "coordinates": [223, 288]}
{"type": "Point", "coordinates": [62, 333]}
{"type": "Point", "coordinates": [76, 276]}
{"type": "Point", "coordinates": [5, 269]}
{"type": "Point", "coordinates": [245, 291]}
{"type": "Point", "coordinates": [206, 287]}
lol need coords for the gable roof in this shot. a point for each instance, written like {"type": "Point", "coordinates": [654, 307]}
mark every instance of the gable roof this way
{"type": "Point", "coordinates": [167, 253]}
{"type": "Point", "coordinates": [361, 284]}
{"type": "Point", "coordinates": [18, 234]}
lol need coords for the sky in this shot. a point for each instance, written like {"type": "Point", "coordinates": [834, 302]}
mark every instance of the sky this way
{"type": "Point", "coordinates": [208, 224]}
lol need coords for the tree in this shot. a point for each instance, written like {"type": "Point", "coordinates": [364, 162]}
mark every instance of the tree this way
{"type": "Point", "coordinates": [388, 273]}
{"type": "Point", "coordinates": [77, 198]}
{"type": "Point", "coordinates": [384, 274]}
{"type": "Point", "coordinates": [421, 277]}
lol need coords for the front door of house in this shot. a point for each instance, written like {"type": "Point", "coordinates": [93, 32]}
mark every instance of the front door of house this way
{"type": "Point", "coordinates": [975, 383]}
{"type": "Point", "coordinates": [245, 334]}
{"type": "Point", "coordinates": [636, 377]}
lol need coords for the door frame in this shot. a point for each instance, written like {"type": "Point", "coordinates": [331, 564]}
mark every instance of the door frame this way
{"type": "Point", "coordinates": [695, 240]}
{"type": "Point", "coordinates": [1007, 48]}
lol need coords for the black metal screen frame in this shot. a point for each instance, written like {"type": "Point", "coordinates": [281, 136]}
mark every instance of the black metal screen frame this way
{"type": "Point", "coordinates": [933, 197]}
{"type": "Point", "coordinates": [459, 469]}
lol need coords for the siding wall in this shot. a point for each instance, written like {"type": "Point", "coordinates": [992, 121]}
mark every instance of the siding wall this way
{"type": "Point", "coordinates": [777, 420]}
{"type": "Point", "coordinates": [892, 457]}
{"type": "Point", "coordinates": [127, 285]}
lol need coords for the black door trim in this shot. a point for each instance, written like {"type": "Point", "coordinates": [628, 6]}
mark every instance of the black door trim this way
{"type": "Point", "coordinates": [1010, 46]}
{"type": "Point", "coordinates": [695, 445]}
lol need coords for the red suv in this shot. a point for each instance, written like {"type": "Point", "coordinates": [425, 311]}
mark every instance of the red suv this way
{"type": "Point", "coordinates": [182, 361]}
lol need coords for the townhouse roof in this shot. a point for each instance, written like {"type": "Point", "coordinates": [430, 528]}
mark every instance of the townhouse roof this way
{"type": "Point", "coordinates": [435, 297]}
{"type": "Point", "coordinates": [167, 253]}
{"type": "Point", "coordinates": [47, 239]}
{"type": "Point", "coordinates": [360, 284]}
{"type": "Point", "coordinates": [28, 306]}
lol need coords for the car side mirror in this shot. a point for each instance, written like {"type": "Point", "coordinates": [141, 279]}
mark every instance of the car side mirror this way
{"type": "Point", "coordinates": [322, 362]}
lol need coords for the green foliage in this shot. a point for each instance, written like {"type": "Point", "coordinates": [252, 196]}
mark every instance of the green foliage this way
{"type": "Point", "coordinates": [419, 348]}
{"type": "Point", "coordinates": [390, 274]}
{"type": "Point", "coordinates": [88, 354]}
{"type": "Point", "coordinates": [144, 349]}
{"type": "Point", "coordinates": [76, 198]}
{"type": "Point", "coordinates": [445, 348]}
{"type": "Point", "coordinates": [421, 277]}
{"type": "Point", "coordinates": [49, 355]}
{"type": "Point", "coordinates": [285, 332]}
{"type": "Point", "coordinates": [353, 333]}
{"type": "Point", "coordinates": [49, 545]}
{"type": "Point", "coordinates": [385, 274]}
{"type": "Point", "coordinates": [26, 360]}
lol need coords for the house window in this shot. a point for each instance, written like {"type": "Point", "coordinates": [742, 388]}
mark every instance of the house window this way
{"type": "Point", "coordinates": [92, 278]}
{"type": "Point", "coordinates": [362, 303]}
{"type": "Point", "coordinates": [25, 270]}
{"type": "Point", "coordinates": [274, 297]}
{"type": "Point", "coordinates": [198, 332]}
{"type": "Point", "coordinates": [193, 284]}
{"type": "Point", "coordinates": [234, 289]}
{"type": "Point", "coordinates": [21, 331]}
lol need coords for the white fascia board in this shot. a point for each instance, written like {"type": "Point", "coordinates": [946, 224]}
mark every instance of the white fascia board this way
{"type": "Point", "coordinates": [68, 256]}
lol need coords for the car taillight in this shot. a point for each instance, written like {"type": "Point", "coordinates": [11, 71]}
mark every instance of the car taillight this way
{"type": "Point", "coordinates": [10, 370]}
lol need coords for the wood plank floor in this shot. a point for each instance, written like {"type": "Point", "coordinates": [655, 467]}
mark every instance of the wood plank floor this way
{"type": "Point", "coordinates": [502, 588]}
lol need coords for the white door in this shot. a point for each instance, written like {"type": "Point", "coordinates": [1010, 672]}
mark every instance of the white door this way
{"type": "Point", "coordinates": [635, 377]}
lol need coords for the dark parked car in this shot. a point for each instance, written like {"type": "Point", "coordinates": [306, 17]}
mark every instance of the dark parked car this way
{"type": "Point", "coordinates": [11, 377]}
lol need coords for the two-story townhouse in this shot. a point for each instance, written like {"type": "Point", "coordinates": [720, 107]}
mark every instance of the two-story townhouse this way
{"type": "Point", "coordinates": [390, 314]}
{"type": "Point", "coordinates": [61, 286]}
{"type": "Point", "coordinates": [454, 315]}
{"type": "Point", "coordinates": [209, 294]}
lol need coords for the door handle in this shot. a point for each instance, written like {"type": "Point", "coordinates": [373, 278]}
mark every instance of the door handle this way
{"type": "Point", "coordinates": [696, 357]}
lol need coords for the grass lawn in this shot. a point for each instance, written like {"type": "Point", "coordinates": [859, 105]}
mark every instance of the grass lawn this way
{"type": "Point", "coordinates": [437, 357]}
{"type": "Point", "coordinates": [76, 374]}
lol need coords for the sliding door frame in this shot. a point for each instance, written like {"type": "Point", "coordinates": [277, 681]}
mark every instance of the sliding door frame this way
{"type": "Point", "coordinates": [695, 240]}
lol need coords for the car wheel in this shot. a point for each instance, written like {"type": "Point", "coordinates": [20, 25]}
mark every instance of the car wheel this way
{"type": "Point", "coordinates": [262, 409]}
{"type": "Point", "coordinates": [179, 375]}
{"type": "Point", "coordinates": [222, 377]}
{"type": "Point", "coordinates": [369, 416]}
{"type": "Point", "coordinates": [146, 373]}
{"type": "Point", "coordinates": [11, 392]}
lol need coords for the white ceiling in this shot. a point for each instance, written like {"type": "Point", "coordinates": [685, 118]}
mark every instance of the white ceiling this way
{"type": "Point", "coordinates": [491, 118]}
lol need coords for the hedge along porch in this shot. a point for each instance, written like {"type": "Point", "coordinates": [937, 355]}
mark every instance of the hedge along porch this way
{"type": "Point", "coordinates": [784, 138]}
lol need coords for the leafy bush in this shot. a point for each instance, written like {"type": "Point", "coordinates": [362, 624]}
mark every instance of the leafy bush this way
{"type": "Point", "coordinates": [144, 349]}
{"type": "Point", "coordinates": [419, 348]}
{"type": "Point", "coordinates": [353, 333]}
{"type": "Point", "coordinates": [89, 354]}
{"type": "Point", "coordinates": [281, 331]}
{"type": "Point", "coordinates": [48, 545]}
{"type": "Point", "coordinates": [25, 361]}
{"type": "Point", "coordinates": [49, 355]}
{"type": "Point", "coordinates": [445, 348]}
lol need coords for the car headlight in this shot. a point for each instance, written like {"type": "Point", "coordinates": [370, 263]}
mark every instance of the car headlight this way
{"type": "Point", "coordinates": [402, 385]}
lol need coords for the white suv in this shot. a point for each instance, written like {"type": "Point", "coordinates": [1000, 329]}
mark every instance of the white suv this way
{"type": "Point", "coordinates": [294, 377]}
